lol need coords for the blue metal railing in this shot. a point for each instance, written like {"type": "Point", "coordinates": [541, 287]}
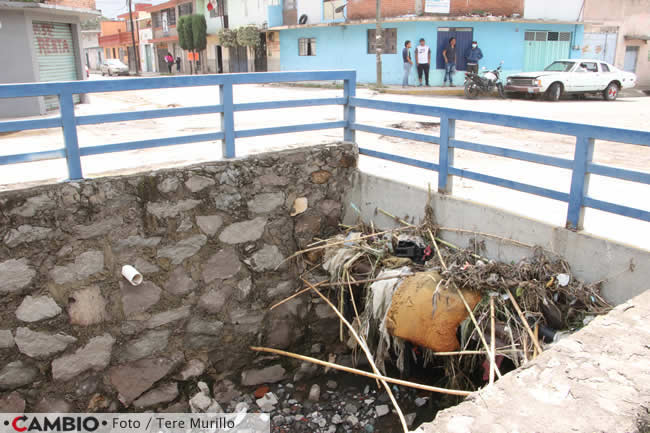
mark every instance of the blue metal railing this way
{"type": "Point", "coordinates": [581, 166]}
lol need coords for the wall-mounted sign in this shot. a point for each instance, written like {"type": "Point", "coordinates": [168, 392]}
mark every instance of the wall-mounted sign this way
{"type": "Point", "coordinates": [437, 6]}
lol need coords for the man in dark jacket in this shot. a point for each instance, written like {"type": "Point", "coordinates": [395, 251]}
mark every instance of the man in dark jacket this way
{"type": "Point", "coordinates": [472, 56]}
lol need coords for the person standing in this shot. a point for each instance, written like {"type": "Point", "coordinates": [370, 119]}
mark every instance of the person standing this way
{"type": "Point", "coordinates": [406, 56]}
{"type": "Point", "coordinates": [449, 54]}
{"type": "Point", "coordinates": [473, 56]}
{"type": "Point", "coordinates": [170, 61]}
{"type": "Point", "coordinates": [422, 60]}
{"type": "Point", "coordinates": [178, 63]}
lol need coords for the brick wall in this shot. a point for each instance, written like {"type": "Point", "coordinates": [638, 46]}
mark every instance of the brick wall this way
{"type": "Point", "coordinates": [495, 7]}
{"type": "Point", "coordinates": [360, 9]}
{"type": "Point", "coordinates": [81, 4]}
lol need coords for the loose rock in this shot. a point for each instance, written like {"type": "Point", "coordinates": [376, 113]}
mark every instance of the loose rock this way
{"type": "Point", "coordinates": [314, 393]}
{"type": "Point", "coordinates": [161, 394]}
{"type": "Point", "coordinates": [267, 259]}
{"type": "Point", "coordinates": [132, 380]}
{"type": "Point", "coordinates": [271, 374]}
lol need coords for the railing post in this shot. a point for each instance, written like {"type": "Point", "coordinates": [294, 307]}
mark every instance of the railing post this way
{"type": "Point", "coordinates": [579, 182]}
{"type": "Point", "coordinates": [73, 159]}
{"type": "Point", "coordinates": [227, 120]}
{"type": "Point", "coordinates": [349, 111]}
{"type": "Point", "coordinates": [446, 156]}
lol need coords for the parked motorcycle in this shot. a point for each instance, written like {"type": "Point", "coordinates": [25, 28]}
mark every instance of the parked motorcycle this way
{"type": "Point", "coordinates": [477, 84]}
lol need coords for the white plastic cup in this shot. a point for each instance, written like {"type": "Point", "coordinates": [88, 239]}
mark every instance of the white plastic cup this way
{"type": "Point", "coordinates": [132, 275]}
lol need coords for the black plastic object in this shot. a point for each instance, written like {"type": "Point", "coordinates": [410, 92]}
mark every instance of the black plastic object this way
{"type": "Point", "coordinates": [411, 250]}
{"type": "Point", "coordinates": [303, 19]}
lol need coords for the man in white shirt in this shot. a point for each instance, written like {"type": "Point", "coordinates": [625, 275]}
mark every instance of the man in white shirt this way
{"type": "Point", "coordinates": [422, 60]}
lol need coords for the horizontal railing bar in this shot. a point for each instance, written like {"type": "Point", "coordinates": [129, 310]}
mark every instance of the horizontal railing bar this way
{"type": "Point", "coordinates": [146, 144]}
{"type": "Point", "coordinates": [563, 128]}
{"type": "Point", "coordinates": [32, 157]}
{"type": "Point", "coordinates": [147, 114]}
{"type": "Point", "coordinates": [619, 173]}
{"type": "Point", "coordinates": [513, 154]}
{"type": "Point", "coordinates": [392, 132]}
{"type": "Point", "coordinates": [617, 209]}
{"type": "Point", "coordinates": [399, 159]}
{"type": "Point", "coordinates": [288, 104]}
{"type": "Point", "coordinates": [288, 129]}
{"type": "Point", "coordinates": [518, 186]}
{"type": "Point", "coordinates": [24, 125]}
{"type": "Point", "coordinates": [95, 86]}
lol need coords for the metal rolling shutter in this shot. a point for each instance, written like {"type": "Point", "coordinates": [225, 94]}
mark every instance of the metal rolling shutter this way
{"type": "Point", "coordinates": [56, 56]}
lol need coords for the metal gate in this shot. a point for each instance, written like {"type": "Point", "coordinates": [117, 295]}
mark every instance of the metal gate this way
{"type": "Point", "coordinates": [238, 59]}
{"type": "Point", "coordinates": [464, 37]}
{"type": "Point", "coordinates": [600, 46]}
{"type": "Point", "coordinates": [543, 48]}
{"type": "Point", "coordinates": [55, 53]}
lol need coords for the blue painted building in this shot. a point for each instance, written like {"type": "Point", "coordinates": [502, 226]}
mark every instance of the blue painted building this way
{"type": "Point", "coordinates": [521, 44]}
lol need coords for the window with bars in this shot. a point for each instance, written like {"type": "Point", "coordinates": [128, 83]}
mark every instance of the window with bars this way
{"type": "Point", "coordinates": [389, 41]}
{"type": "Point", "coordinates": [185, 9]}
{"type": "Point", "coordinates": [307, 46]}
{"type": "Point", "coordinates": [547, 36]}
{"type": "Point", "coordinates": [156, 19]}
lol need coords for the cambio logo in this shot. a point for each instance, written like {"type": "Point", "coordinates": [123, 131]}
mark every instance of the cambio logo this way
{"type": "Point", "coordinates": [54, 424]}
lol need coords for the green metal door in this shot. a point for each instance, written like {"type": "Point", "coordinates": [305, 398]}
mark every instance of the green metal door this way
{"type": "Point", "coordinates": [543, 48]}
{"type": "Point", "coordinates": [55, 53]}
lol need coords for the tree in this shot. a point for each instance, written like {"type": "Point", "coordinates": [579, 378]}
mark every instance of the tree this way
{"type": "Point", "coordinates": [199, 32]}
{"type": "Point", "coordinates": [192, 33]}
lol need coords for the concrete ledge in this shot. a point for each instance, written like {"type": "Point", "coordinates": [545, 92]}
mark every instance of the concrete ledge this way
{"type": "Point", "coordinates": [598, 379]}
{"type": "Point", "coordinates": [591, 258]}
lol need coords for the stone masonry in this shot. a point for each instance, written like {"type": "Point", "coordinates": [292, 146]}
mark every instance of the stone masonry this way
{"type": "Point", "coordinates": [596, 380]}
{"type": "Point", "coordinates": [211, 242]}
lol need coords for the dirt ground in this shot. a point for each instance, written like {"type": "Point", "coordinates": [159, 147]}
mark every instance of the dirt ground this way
{"type": "Point", "coordinates": [631, 113]}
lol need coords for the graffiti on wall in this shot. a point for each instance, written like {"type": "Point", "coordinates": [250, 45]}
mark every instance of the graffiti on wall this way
{"type": "Point", "coordinates": [47, 42]}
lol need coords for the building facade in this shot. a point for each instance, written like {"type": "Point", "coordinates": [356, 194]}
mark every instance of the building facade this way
{"type": "Point", "coordinates": [502, 31]}
{"type": "Point", "coordinates": [165, 37]}
{"type": "Point", "coordinates": [618, 31]}
{"type": "Point", "coordinates": [44, 43]}
{"type": "Point", "coordinates": [93, 53]}
{"type": "Point", "coordinates": [115, 40]}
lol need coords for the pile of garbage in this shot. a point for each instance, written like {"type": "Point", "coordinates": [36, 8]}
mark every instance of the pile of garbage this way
{"type": "Point", "coordinates": [407, 297]}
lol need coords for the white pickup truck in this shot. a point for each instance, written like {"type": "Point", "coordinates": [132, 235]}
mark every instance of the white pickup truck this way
{"type": "Point", "coordinates": [574, 76]}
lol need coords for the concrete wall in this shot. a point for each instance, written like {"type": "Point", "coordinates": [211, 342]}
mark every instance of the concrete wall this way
{"type": "Point", "coordinates": [591, 258]}
{"type": "Point", "coordinates": [498, 40]}
{"type": "Point", "coordinates": [562, 10]}
{"type": "Point", "coordinates": [632, 17]}
{"type": "Point", "coordinates": [210, 240]}
{"type": "Point", "coordinates": [15, 38]}
{"type": "Point", "coordinates": [313, 9]}
{"type": "Point", "coordinates": [246, 12]}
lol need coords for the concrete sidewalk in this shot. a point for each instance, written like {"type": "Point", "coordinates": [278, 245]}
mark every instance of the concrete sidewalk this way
{"type": "Point", "coordinates": [422, 90]}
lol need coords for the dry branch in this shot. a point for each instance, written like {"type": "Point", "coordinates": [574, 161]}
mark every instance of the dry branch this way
{"type": "Point", "coordinates": [363, 373]}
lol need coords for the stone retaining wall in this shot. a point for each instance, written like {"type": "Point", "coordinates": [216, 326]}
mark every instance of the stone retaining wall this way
{"type": "Point", "coordinates": [210, 240]}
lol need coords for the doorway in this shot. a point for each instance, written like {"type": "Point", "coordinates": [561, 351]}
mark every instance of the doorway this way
{"type": "Point", "coordinates": [219, 57]}
{"type": "Point", "coordinates": [631, 57]}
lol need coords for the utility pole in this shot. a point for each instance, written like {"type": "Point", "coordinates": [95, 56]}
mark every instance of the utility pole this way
{"type": "Point", "coordinates": [379, 45]}
{"type": "Point", "coordinates": [136, 54]}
